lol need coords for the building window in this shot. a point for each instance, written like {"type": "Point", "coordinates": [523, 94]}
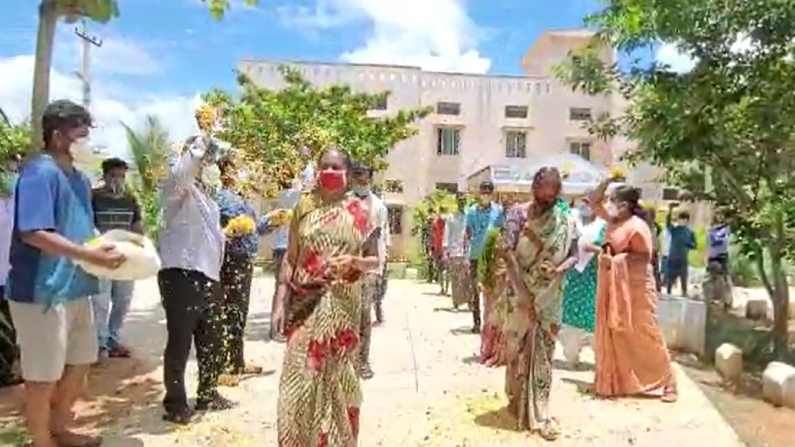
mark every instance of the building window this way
{"type": "Point", "coordinates": [516, 144]}
{"type": "Point", "coordinates": [393, 186]}
{"type": "Point", "coordinates": [516, 111]}
{"type": "Point", "coordinates": [581, 148]}
{"type": "Point", "coordinates": [448, 108]}
{"type": "Point", "coordinates": [381, 103]}
{"type": "Point", "coordinates": [579, 114]}
{"type": "Point", "coordinates": [395, 215]}
{"type": "Point", "coordinates": [452, 188]}
{"type": "Point", "coordinates": [448, 141]}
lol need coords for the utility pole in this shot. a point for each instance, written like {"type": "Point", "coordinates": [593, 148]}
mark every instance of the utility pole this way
{"type": "Point", "coordinates": [84, 74]}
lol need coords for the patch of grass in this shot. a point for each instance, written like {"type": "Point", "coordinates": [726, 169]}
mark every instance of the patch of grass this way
{"type": "Point", "coordinates": [13, 435]}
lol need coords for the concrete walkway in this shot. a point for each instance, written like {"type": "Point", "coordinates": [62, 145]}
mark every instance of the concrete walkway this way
{"type": "Point", "coordinates": [428, 390]}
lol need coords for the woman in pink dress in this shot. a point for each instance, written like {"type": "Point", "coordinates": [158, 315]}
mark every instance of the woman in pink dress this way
{"type": "Point", "coordinates": [631, 356]}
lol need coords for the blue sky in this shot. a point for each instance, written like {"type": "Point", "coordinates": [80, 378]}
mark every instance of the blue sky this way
{"type": "Point", "coordinates": [159, 52]}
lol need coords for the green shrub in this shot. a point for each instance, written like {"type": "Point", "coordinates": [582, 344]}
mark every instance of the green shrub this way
{"type": "Point", "coordinates": [698, 257]}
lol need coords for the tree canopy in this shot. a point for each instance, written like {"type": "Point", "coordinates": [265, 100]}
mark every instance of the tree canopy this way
{"type": "Point", "coordinates": [276, 132]}
{"type": "Point", "coordinates": [723, 130]}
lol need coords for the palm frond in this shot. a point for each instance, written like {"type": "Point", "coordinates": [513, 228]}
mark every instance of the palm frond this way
{"type": "Point", "coordinates": [149, 148]}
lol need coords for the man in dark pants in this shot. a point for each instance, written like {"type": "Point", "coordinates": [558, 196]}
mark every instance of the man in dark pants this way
{"type": "Point", "coordinates": [192, 250]}
{"type": "Point", "coordinates": [480, 219]}
{"type": "Point", "coordinates": [682, 241]}
{"type": "Point", "coordinates": [237, 271]}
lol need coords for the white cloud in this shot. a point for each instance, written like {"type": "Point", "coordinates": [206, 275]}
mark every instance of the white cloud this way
{"type": "Point", "coordinates": [681, 62]}
{"type": "Point", "coordinates": [433, 34]}
{"type": "Point", "coordinates": [176, 113]}
{"type": "Point", "coordinates": [670, 54]}
{"type": "Point", "coordinates": [117, 55]}
{"type": "Point", "coordinates": [125, 57]}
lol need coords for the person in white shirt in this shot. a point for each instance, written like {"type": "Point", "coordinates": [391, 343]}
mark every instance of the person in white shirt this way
{"type": "Point", "coordinates": [192, 250]}
{"type": "Point", "coordinates": [361, 184]}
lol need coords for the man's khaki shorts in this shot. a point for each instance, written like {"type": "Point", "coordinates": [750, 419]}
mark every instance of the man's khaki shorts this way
{"type": "Point", "coordinates": [63, 335]}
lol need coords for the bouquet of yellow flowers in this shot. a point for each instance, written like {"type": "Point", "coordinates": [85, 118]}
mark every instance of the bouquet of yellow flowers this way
{"type": "Point", "coordinates": [241, 225]}
{"type": "Point", "coordinates": [618, 172]}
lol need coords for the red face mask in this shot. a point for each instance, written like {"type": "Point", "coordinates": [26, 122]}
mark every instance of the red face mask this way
{"type": "Point", "coordinates": [331, 180]}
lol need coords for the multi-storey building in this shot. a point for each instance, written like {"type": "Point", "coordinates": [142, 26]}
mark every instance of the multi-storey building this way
{"type": "Point", "coordinates": [477, 120]}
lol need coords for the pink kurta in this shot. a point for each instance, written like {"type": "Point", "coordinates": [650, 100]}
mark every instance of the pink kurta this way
{"type": "Point", "coordinates": [631, 356]}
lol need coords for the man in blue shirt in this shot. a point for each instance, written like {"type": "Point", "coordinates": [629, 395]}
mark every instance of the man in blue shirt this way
{"type": "Point", "coordinates": [48, 292]}
{"type": "Point", "coordinates": [682, 241]}
{"type": "Point", "coordinates": [480, 218]}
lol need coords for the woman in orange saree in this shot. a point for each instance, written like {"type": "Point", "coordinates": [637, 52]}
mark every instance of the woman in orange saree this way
{"type": "Point", "coordinates": [332, 241]}
{"type": "Point", "coordinates": [631, 356]}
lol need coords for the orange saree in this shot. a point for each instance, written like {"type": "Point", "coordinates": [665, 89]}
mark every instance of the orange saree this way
{"type": "Point", "coordinates": [631, 356]}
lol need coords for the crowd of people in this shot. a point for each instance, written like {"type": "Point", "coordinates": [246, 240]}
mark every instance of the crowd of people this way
{"type": "Point", "coordinates": [580, 272]}
{"type": "Point", "coordinates": [330, 251]}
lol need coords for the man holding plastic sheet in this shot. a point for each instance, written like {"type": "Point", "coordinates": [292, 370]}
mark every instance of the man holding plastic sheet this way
{"type": "Point", "coordinates": [48, 292]}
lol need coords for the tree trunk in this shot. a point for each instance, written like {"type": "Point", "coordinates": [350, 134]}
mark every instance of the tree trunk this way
{"type": "Point", "coordinates": [48, 17]}
{"type": "Point", "coordinates": [780, 294]}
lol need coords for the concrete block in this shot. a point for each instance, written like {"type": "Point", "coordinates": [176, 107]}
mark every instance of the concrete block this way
{"type": "Point", "coordinates": [756, 308]}
{"type": "Point", "coordinates": [729, 361]}
{"type": "Point", "coordinates": [412, 273]}
{"type": "Point", "coordinates": [683, 323]}
{"type": "Point", "coordinates": [778, 384]}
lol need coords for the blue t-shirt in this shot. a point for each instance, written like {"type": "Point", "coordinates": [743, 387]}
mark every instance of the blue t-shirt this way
{"type": "Point", "coordinates": [49, 198]}
{"type": "Point", "coordinates": [682, 241]}
{"type": "Point", "coordinates": [479, 221]}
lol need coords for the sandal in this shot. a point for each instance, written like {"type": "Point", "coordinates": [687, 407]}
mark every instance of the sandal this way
{"type": "Point", "coordinates": [670, 395]}
{"type": "Point", "coordinates": [549, 430]}
{"type": "Point", "coordinates": [119, 352]}
{"type": "Point", "coordinates": [229, 380]}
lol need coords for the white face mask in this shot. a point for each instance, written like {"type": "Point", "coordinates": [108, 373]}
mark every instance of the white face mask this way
{"type": "Point", "coordinates": [361, 191]}
{"type": "Point", "coordinates": [81, 148]}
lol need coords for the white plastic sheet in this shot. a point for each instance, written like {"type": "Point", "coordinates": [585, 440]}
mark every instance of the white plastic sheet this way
{"type": "Point", "coordinates": [141, 258]}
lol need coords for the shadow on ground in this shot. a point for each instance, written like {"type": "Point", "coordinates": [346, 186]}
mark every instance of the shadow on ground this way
{"type": "Point", "coordinates": [119, 393]}
{"type": "Point", "coordinates": [500, 419]}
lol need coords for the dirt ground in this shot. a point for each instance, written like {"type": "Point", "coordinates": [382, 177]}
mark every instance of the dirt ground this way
{"type": "Point", "coordinates": [428, 391]}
